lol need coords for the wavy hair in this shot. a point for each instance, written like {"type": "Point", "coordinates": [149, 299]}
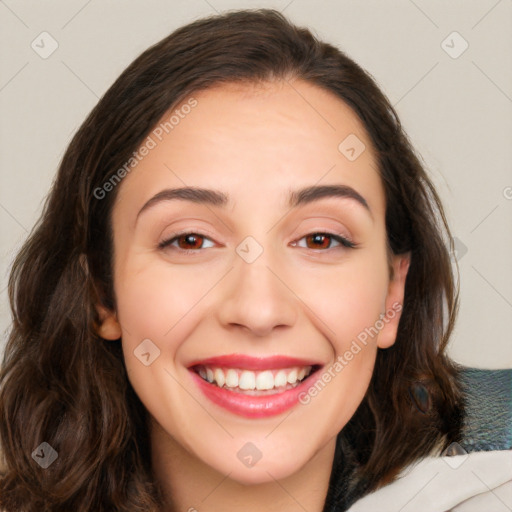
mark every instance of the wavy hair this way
{"type": "Point", "coordinates": [62, 384]}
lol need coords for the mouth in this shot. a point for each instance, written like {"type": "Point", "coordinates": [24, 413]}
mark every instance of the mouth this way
{"type": "Point", "coordinates": [254, 383]}
{"type": "Point", "coordinates": [254, 387]}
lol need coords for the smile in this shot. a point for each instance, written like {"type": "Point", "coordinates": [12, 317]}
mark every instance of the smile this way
{"type": "Point", "coordinates": [245, 381]}
{"type": "Point", "coordinates": [253, 387]}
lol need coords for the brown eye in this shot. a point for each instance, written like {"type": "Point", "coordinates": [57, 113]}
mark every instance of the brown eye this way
{"type": "Point", "coordinates": [188, 242]}
{"type": "Point", "coordinates": [319, 241]}
{"type": "Point", "coordinates": [324, 241]}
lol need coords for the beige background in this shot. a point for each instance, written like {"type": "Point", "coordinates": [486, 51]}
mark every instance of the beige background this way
{"type": "Point", "coordinates": [457, 112]}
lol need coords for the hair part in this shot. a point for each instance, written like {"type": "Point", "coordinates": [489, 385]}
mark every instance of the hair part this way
{"type": "Point", "coordinates": [62, 384]}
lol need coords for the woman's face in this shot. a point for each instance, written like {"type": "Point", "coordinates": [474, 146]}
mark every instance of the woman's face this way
{"type": "Point", "coordinates": [263, 293]}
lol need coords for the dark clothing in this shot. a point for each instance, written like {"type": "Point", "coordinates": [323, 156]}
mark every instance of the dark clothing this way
{"type": "Point", "coordinates": [339, 496]}
{"type": "Point", "coordinates": [487, 426]}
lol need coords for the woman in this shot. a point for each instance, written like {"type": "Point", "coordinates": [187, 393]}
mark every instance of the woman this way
{"type": "Point", "coordinates": [239, 290]}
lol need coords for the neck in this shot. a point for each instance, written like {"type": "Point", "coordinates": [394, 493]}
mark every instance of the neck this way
{"type": "Point", "coordinates": [190, 485]}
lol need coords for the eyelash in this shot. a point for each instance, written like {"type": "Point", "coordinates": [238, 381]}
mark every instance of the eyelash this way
{"type": "Point", "coordinates": [345, 243]}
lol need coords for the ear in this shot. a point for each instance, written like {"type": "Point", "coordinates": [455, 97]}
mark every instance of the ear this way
{"type": "Point", "coordinates": [394, 300]}
{"type": "Point", "coordinates": [109, 327]}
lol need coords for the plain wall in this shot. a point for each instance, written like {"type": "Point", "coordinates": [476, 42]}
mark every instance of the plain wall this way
{"type": "Point", "coordinates": [455, 108]}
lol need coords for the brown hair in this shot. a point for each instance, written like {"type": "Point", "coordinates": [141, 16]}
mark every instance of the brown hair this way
{"type": "Point", "coordinates": [62, 384]}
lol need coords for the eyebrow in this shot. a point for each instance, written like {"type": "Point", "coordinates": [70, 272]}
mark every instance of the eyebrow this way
{"type": "Point", "coordinates": [217, 198]}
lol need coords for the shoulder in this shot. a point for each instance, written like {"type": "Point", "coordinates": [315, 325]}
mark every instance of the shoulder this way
{"type": "Point", "coordinates": [469, 482]}
{"type": "Point", "coordinates": [478, 474]}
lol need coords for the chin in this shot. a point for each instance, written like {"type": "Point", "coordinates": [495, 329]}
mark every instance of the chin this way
{"type": "Point", "coordinates": [262, 473]}
{"type": "Point", "coordinates": [247, 465]}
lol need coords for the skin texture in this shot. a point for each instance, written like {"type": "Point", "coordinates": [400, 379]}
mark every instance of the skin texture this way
{"type": "Point", "coordinates": [254, 143]}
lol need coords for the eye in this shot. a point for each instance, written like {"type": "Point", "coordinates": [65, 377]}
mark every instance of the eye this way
{"type": "Point", "coordinates": [188, 242]}
{"type": "Point", "coordinates": [323, 241]}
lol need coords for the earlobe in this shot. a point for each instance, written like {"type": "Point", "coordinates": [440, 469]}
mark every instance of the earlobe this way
{"type": "Point", "coordinates": [394, 301]}
{"type": "Point", "coordinates": [109, 327]}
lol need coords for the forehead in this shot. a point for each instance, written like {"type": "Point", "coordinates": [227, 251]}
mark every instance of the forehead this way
{"type": "Point", "coordinates": [258, 139]}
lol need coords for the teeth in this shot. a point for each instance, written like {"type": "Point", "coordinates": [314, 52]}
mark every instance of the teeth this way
{"type": "Point", "coordinates": [292, 376]}
{"type": "Point", "coordinates": [265, 380]}
{"type": "Point", "coordinates": [231, 378]}
{"type": "Point", "coordinates": [248, 380]}
{"type": "Point", "coordinates": [218, 376]}
{"type": "Point", "coordinates": [280, 379]}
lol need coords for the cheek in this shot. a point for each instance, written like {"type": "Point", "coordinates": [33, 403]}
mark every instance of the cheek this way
{"type": "Point", "coordinates": [152, 301]}
{"type": "Point", "coordinates": [347, 301]}
{"type": "Point", "coordinates": [157, 305]}
{"type": "Point", "coordinates": [164, 305]}
{"type": "Point", "coordinates": [348, 305]}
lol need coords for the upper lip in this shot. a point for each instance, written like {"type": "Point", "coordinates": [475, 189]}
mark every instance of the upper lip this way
{"type": "Point", "coordinates": [245, 362]}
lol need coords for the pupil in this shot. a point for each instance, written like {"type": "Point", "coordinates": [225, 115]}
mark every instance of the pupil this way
{"type": "Point", "coordinates": [319, 238]}
{"type": "Point", "coordinates": [190, 240]}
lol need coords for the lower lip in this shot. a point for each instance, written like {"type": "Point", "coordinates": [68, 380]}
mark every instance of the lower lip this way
{"type": "Point", "coordinates": [252, 406]}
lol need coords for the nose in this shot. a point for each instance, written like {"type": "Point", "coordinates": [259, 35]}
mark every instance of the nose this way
{"type": "Point", "coordinates": [257, 298]}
